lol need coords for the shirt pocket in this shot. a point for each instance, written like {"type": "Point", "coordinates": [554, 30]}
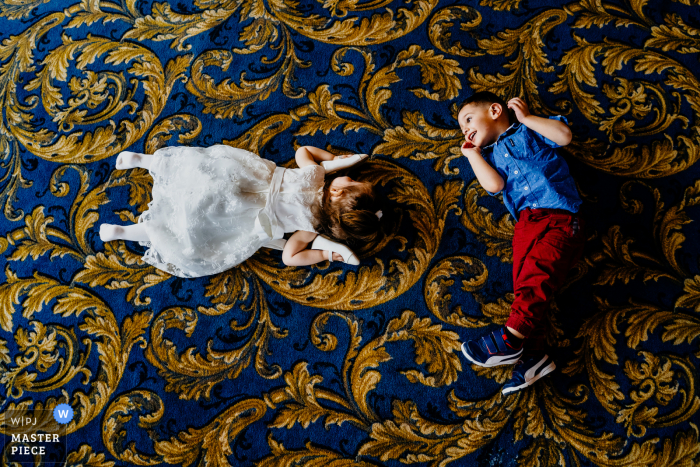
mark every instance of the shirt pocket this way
{"type": "Point", "coordinates": [528, 148]}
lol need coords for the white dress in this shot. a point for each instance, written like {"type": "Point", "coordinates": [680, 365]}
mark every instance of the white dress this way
{"type": "Point", "coordinates": [214, 207]}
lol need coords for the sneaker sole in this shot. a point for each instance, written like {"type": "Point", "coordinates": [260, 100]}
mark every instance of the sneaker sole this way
{"type": "Point", "coordinates": [492, 361]}
{"type": "Point", "coordinates": [545, 371]}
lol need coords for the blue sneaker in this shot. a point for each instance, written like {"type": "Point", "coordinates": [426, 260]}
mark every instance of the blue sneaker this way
{"type": "Point", "coordinates": [527, 371]}
{"type": "Point", "coordinates": [492, 350]}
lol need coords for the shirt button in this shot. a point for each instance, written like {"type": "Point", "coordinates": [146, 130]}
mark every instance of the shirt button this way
{"type": "Point", "coordinates": [534, 204]}
{"type": "Point", "coordinates": [526, 188]}
{"type": "Point", "coordinates": [516, 172]}
{"type": "Point", "coordinates": [505, 155]}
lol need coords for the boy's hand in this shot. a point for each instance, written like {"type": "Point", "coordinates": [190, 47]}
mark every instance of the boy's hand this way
{"type": "Point", "coordinates": [468, 147]}
{"type": "Point", "coordinates": [520, 108]}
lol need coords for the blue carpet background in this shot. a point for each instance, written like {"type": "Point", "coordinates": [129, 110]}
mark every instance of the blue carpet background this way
{"type": "Point", "coordinates": [333, 365]}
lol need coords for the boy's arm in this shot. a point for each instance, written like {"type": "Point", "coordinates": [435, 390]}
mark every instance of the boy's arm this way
{"type": "Point", "coordinates": [489, 179]}
{"type": "Point", "coordinates": [554, 130]}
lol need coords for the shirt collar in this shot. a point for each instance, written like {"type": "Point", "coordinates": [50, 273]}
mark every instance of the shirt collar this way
{"type": "Point", "coordinates": [511, 129]}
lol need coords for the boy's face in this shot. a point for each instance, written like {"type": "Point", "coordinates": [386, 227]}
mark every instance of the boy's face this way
{"type": "Point", "coordinates": [478, 123]}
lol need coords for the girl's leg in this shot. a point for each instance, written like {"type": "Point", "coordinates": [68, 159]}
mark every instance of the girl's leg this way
{"type": "Point", "coordinates": [130, 160]}
{"type": "Point", "coordinates": [133, 232]}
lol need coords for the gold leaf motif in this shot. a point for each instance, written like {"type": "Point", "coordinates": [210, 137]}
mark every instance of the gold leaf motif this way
{"type": "Point", "coordinates": [638, 99]}
{"type": "Point", "coordinates": [684, 449]}
{"type": "Point", "coordinates": [325, 119]}
{"type": "Point", "coordinates": [691, 298]}
{"type": "Point", "coordinates": [164, 130]}
{"type": "Point", "coordinates": [675, 35]}
{"type": "Point", "coordinates": [193, 375]}
{"type": "Point", "coordinates": [40, 349]}
{"type": "Point", "coordinates": [568, 426]}
{"type": "Point", "coordinates": [418, 140]}
{"type": "Point", "coordinates": [165, 24]}
{"type": "Point", "coordinates": [119, 413]}
{"type": "Point", "coordinates": [497, 235]}
{"type": "Point", "coordinates": [542, 453]}
{"type": "Point", "coordinates": [499, 310]}
{"type": "Point", "coordinates": [257, 35]}
{"type": "Point", "coordinates": [435, 70]}
{"type": "Point", "coordinates": [528, 42]}
{"type": "Point", "coordinates": [213, 441]}
{"type": "Point", "coordinates": [469, 19]}
{"type": "Point", "coordinates": [661, 158]}
{"type": "Point", "coordinates": [500, 374]}
{"type": "Point", "coordinates": [118, 87]}
{"type": "Point", "coordinates": [501, 5]}
{"type": "Point", "coordinates": [304, 408]}
{"type": "Point", "coordinates": [599, 344]}
{"type": "Point", "coordinates": [85, 457]}
{"type": "Point", "coordinates": [34, 239]}
{"type": "Point", "coordinates": [624, 265]}
{"type": "Point", "coordinates": [227, 99]}
{"type": "Point", "coordinates": [312, 456]}
{"type": "Point", "coordinates": [13, 9]}
{"type": "Point", "coordinates": [438, 348]}
{"type": "Point", "coordinates": [190, 375]}
{"type": "Point", "coordinates": [654, 378]}
{"type": "Point", "coordinates": [43, 345]}
{"type": "Point", "coordinates": [594, 13]}
{"type": "Point", "coordinates": [113, 346]}
{"type": "Point", "coordinates": [410, 438]}
{"type": "Point", "coordinates": [105, 140]}
{"type": "Point", "coordinates": [4, 354]}
{"type": "Point", "coordinates": [120, 268]}
{"type": "Point", "coordinates": [438, 281]}
{"type": "Point", "coordinates": [89, 12]}
{"type": "Point", "coordinates": [379, 28]}
{"type": "Point", "coordinates": [256, 138]}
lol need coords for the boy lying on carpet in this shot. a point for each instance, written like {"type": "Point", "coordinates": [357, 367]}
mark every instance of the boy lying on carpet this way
{"type": "Point", "coordinates": [520, 159]}
{"type": "Point", "coordinates": [214, 207]}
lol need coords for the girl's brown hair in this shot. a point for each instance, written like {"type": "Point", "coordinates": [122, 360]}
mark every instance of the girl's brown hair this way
{"type": "Point", "coordinates": [352, 218]}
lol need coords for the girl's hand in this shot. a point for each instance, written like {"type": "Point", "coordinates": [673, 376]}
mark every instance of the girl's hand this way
{"type": "Point", "coordinates": [468, 147]}
{"type": "Point", "coordinates": [520, 108]}
{"type": "Point", "coordinates": [337, 257]}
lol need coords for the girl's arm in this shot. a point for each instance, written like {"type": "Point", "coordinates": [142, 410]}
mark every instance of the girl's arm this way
{"type": "Point", "coordinates": [554, 130]}
{"type": "Point", "coordinates": [309, 155]}
{"type": "Point", "coordinates": [489, 179]}
{"type": "Point", "coordinates": [296, 254]}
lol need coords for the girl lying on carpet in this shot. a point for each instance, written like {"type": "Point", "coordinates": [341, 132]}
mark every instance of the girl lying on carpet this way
{"type": "Point", "coordinates": [213, 208]}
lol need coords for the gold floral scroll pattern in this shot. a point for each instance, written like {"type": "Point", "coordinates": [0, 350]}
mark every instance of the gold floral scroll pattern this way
{"type": "Point", "coordinates": [82, 80]}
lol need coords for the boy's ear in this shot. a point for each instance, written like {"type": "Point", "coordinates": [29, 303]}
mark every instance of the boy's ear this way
{"type": "Point", "coordinates": [495, 110]}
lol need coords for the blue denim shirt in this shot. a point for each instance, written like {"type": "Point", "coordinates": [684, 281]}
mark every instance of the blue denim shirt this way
{"type": "Point", "coordinates": [535, 175]}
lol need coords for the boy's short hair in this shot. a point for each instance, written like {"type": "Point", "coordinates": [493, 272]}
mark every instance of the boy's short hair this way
{"type": "Point", "coordinates": [487, 98]}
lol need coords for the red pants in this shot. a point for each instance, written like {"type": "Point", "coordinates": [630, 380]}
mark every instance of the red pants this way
{"type": "Point", "coordinates": [546, 245]}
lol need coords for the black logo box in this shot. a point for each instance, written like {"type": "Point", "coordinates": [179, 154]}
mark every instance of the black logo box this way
{"type": "Point", "coordinates": [32, 438]}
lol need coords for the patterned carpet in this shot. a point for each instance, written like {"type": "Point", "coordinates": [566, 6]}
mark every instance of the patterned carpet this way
{"type": "Point", "coordinates": [333, 365]}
